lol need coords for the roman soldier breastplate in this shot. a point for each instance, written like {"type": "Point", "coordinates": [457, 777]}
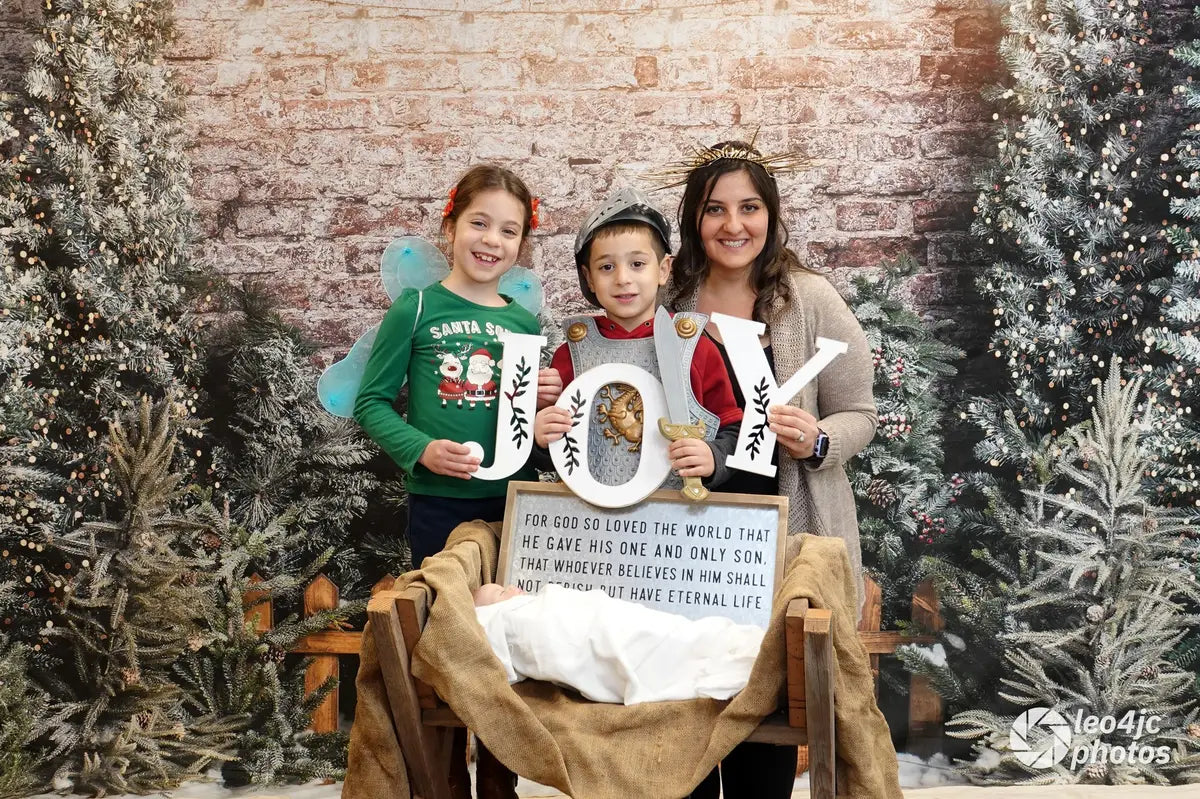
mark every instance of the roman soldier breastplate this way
{"type": "Point", "coordinates": [617, 423]}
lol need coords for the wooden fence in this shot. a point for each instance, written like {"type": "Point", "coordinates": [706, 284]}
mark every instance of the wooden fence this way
{"type": "Point", "coordinates": [924, 705]}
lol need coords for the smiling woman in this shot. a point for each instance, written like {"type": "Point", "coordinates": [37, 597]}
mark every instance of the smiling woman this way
{"type": "Point", "coordinates": [733, 259]}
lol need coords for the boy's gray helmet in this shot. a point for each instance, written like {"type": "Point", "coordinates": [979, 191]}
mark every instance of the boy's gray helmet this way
{"type": "Point", "coordinates": [623, 205]}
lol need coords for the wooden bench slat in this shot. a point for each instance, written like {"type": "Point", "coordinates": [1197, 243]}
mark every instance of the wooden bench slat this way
{"type": "Point", "coordinates": [778, 730]}
{"type": "Point", "coordinates": [924, 704]}
{"type": "Point", "coordinates": [793, 631]}
{"type": "Point", "coordinates": [413, 608]}
{"type": "Point", "coordinates": [819, 694]}
{"type": "Point", "coordinates": [402, 698]}
{"type": "Point", "coordinates": [322, 594]}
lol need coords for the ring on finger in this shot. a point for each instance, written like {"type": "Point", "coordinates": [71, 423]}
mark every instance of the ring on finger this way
{"type": "Point", "coordinates": [800, 436]}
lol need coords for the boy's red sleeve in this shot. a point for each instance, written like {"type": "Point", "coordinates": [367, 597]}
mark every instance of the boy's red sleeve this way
{"type": "Point", "coordinates": [710, 383]}
{"type": "Point", "coordinates": [562, 362]}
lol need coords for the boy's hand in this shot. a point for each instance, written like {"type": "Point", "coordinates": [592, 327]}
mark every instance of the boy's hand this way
{"type": "Point", "coordinates": [691, 457]}
{"type": "Point", "coordinates": [550, 425]}
{"type": "Point", "coordinates": [550, 386]}
{"type": "Point", "coordinates": [449, 458]}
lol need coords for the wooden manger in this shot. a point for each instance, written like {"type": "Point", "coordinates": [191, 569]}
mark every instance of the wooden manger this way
{"type": "Point", "coordinates": [424, 723]}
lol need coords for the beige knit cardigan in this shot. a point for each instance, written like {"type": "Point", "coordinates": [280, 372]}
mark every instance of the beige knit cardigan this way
{"type": "Point", "coordinates": [841, 397]}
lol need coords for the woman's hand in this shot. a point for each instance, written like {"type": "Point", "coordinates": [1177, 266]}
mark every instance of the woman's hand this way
{"type": "Point", "coordinates": [796, 429]}
{"type": "Point", "coordinates": [550, 386]}
{"type": "Point", "coordinates": [550, 425]}
{"type": "Point", "coordinates": [449, 458]}
{"type": "Point", "coordinates": [691, 457]}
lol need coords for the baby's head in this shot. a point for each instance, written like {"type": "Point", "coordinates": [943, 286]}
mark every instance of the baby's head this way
{"type": "Point", "coordinates": [491, 593]}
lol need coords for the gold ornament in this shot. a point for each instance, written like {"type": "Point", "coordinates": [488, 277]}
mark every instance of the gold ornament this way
{"type": "Point", "coordinates": [686, 327]}
{"type": "Point", "coordinates": [577, 332]}
{"type": "Point", "coordinates": [622, 416]}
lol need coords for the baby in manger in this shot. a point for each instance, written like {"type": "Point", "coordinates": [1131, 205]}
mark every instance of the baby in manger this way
{"type": "Point", "coordinates": [613, 650]}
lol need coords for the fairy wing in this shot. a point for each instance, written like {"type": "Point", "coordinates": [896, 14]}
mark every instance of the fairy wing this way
{"type": "Point", "coordinates": [524, 287]}
{"type": "Point", "coordinates": [411, 262]}
{"type": "Point", "coordinates": [338, 385]}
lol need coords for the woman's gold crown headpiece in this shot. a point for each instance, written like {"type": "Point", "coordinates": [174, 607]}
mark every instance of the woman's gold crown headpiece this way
{"type": "Point", "coordinates": [779, 164]}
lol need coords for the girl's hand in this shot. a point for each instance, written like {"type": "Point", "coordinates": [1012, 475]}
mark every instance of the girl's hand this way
{"type": "Point", "coordinates": [796, 429]}
{"type": "Point", "coordinates": [449, 458]}
{"type": "Point", "coordinates": [691, 457]}
{"type": "Point", "coordinates": [550, 425]}
{"type": "Point", "coordinates": [550, 386]}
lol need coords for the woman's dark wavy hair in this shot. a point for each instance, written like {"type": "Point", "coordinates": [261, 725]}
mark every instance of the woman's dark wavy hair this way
{"type": "Point", "coordinates": [770, 270]}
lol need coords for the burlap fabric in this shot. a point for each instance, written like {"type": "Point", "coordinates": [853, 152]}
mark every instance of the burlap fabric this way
{"type": "Point", "coordinates": [602, 751]}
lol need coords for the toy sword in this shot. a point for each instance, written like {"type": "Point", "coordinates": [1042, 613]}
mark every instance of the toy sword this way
{"type": "Point", "coordinates": [674, 375]}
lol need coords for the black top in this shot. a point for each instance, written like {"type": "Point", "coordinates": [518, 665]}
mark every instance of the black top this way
{"type": "Point", "coordinates": [741, 482]}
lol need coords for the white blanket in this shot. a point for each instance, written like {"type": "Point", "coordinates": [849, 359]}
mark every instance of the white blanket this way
{"type": "Point", "coordinates": [612, 650]}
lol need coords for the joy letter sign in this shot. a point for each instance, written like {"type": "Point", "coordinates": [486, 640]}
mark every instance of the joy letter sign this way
{"type": "Point", "coordinates": [756, 442]}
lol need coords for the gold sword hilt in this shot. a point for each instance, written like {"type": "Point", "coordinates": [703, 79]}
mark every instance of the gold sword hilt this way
{"type": "Point", "coordinates": [693, 489]}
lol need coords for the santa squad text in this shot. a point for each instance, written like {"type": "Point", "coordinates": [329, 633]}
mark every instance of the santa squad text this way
{"type": "Point", "coordinates": [465, 327]}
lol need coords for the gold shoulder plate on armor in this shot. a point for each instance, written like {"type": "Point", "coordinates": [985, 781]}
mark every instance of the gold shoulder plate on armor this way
{"type": "Point", "coordinates": [686, 327]}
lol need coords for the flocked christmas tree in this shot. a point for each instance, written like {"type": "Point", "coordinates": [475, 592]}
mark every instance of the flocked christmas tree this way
{"type": "Point", "coordinates": [132, 607]}
{"type": "Point", "coordinates": [21, 715]}
{"type": "Point", "coordinates": [904, 497]}
{"type": "Point", "coordinates": [1071, 218]}
{"type": "Point", "coordinates": [1182, 291]}
{"type": "Point", "coordinates": [27, 509]}
{"type": "Point", "coordinates": [20, 702]}
{"type": "Point", "coordinates": [1177, 336]}
{"type": "Point", "coordinates": [245, 673]}
{"type": "Point", "coordinates": [1099, 611]}
{"type": "Point", "coordinates": [278, 452]}
{"type": "Point", "coordinates": [94, 227]}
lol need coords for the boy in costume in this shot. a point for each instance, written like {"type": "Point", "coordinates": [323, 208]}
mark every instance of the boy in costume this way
{"type": "Point", "coordinates": [622, 258]}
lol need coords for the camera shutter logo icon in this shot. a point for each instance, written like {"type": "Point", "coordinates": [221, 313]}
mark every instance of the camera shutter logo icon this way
{"type": "Point", "coordinates": [1040, 737]}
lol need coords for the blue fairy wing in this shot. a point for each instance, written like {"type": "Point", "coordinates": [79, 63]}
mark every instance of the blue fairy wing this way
{"type": "Point", "coordinates": [338, 385]}
{"type": "Point", "coordinates": [411, 262]}
{"type": "Point", "coordinates": [523, 286]}
{"type": "Point", "coordinates": [407, 262]}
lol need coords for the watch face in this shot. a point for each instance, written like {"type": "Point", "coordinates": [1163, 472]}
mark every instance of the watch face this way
{"type": "Point", "coordinates": [821, 448]}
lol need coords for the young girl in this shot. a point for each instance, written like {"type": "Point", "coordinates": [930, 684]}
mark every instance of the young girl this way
{"type": "Point", "coordinates": [444, 339]}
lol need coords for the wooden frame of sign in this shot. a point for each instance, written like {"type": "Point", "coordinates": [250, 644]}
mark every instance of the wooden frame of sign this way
{"type": "Point", "coordinates": [723, 556]}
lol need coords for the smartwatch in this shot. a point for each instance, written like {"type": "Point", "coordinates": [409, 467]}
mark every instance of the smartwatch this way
{"type": "Point", "coordinates": [820, 449]}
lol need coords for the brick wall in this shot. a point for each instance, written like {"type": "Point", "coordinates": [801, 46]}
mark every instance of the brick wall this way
{"type": "Point", "coordinates": [324, 129]}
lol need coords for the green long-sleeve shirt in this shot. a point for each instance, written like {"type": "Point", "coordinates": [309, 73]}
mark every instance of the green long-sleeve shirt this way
{"type": "Point", "coordinates": [451, 357]}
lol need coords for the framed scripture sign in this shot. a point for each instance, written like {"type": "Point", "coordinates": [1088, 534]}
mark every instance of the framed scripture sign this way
{"type": "Point", "coordinates": [719, 557]}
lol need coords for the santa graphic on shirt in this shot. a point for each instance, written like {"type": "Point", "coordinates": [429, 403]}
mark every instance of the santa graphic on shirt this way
{"type": "Point", "coordinates": [480, 387]}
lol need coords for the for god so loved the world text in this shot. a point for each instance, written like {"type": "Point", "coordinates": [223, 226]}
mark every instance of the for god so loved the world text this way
{"type": "Point", "coordinates": [696, 559]}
